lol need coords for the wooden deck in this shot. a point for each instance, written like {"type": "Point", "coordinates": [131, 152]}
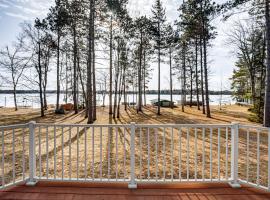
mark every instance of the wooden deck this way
{"type": "Point", "coordinates": [72, 191]}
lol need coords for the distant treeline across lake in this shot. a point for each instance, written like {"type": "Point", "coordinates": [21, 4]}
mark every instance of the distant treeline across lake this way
{"type": "Point", "coordinates": [32, 99]}
{"type": "Point", "coordinates": [167, 92]}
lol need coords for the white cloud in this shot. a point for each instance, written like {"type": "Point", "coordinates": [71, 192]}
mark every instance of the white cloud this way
{"type": "Point", "coordinates": [20, 16]}
{"type": "Point", "coordinates": [2, 5]}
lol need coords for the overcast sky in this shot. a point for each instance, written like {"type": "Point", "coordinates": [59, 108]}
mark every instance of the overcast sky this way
{"type": "Point", "coordinates": [13, 12]}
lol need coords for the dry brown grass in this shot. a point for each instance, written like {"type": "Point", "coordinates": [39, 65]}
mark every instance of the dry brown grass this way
{"type": "Point", "coordinates": [160, 154]}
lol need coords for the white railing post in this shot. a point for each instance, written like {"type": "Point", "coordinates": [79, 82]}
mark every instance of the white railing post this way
{"type": "Point", "coordinates": [32, 155]}
{"type": "Point", "coordinates": [132, 184]}
{"type": "Point", "coordinates": [234, 155]}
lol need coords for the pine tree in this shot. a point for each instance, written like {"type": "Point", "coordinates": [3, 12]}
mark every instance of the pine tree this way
{"type": "Point", "coordinates": [159, 36]}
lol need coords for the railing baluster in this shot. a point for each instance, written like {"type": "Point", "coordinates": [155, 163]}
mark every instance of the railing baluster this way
{"type": "Point", "coordinates": [85, 153]}
{"type": "Point", "coordinates": [211, 154]}
{"type": "Point", "coordinates": [70, 153]}
{"type": "Point", "coordinates": [164, 154]}
{"type": "Point", "coordinates": [47, 152]}
{"type": "Point", "coordinates": [132, 184]}
{"type": "Point", "coordinates": [227, 152]}
{"type": "Point", "coordinates": [148, 153]}
{"type": "Point", "coordinates": [234, 155]}
{"type": "Point", "coordinates": [109, 152]}
{"type": "Point", "coordinates": [62, 148]}
{"type": "Point", "coordinates": [247, 158]}
{"type": "Point", "coordinates": [156, 148]}
{"type": "Point", "coordinates": [23, 153]}
{"type": "Point", "coordinates": [172, 141]}
{"type": "Point", "coordinates": [219, 154]}
{"type": "Point", "coordinates": [180, 154]}
{"type": "Point", "coordinates": [116, 150]}
{"type": "Point", "coordinates": [78, 150]}
{"type": "Point", "coordinates": [188, 154]}
{"type": "Point", "coordinates": [13, 156]}
{"type": "Point", "coordinates": [203, 162]}
{"type": "Point", "coordinates": [32, 154]}
{"type": "Point", "coordinates": [258, 158]}
{"type": "Point", "coordinates": [3, 157]}
{"type": "Point", "coordinates": [125, 155]}
{"type": "Point", "coordinates": [39, 151]}
{"type": "Point", "coordinates": [93, 153]}
{"type": "Point", "coordinates": [141, 154]}
{"type": "Point", "coordinates": [100, 166]}
{"type": "Point", "coordinates": [196, 154]}
{"type": "Point", "coordinates": [54, 147]}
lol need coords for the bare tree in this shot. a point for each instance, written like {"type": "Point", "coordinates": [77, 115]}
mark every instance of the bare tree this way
{"type": "Point", "coordinates": [13, 63]}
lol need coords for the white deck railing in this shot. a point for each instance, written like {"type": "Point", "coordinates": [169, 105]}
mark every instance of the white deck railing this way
{"type": "Point", "coordinates": [134, 154]}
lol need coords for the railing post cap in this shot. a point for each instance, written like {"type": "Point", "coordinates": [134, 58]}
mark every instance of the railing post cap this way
{"type": "Point", "coordinates": [32, 122]}
{"type": "Point", "coordinates": [133, 123]}
{"type": "Point", "coordinates": [236, 123]}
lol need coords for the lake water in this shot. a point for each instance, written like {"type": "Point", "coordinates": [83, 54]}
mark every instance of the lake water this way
{"type": "Point", "coordinates": [32, 100]}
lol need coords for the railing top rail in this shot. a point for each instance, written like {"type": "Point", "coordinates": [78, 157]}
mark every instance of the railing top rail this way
{"type": "Point", "coordinates": [259, 128]}
{"type": "Point", "coordinates": [183, 125]}
{"type": "Point", "coordinates": [86, 125]}
{"type": "Point", "coordinates": [14, 126]}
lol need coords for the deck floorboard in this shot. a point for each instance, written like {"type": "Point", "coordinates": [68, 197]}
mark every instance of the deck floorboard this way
{"type": "Point", "coordinates": [79, 191]}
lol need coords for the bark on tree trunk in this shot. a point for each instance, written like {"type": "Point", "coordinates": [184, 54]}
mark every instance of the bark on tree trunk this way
{"type": "Point", "coordinates": [208, 112]}
{"type": "Point", "coordinates": [144, 78]}
{"type": "Point", "coordinates": [139, 106]}
{"type": "Point", "coordinates": [111, 66]}
{"type": "Point", "coordinates": [197, 74]}
{"type": "Point", "coordinates": [158, 111]}
{"type": "Point", "coordinates": [75, 69]}
{"type": "Point", "coordinates": [40, 81]}
{"type": "Point", "coordinates": [171, 81]}
{"type": "Point", "coordinates": [267, 89]}
{"type": "Point", "coordinates": [202, 75]}
{"type": "Point", "coordinates": [183, 95]}
{"type": "Point", "coordinates": [89, 71]}
{"type": "Point", "coordinates": [58, 71]}
{"type": "Point", "coordinates": [94, 64]}
{"type": "Point", "coordinates": [15, 98]}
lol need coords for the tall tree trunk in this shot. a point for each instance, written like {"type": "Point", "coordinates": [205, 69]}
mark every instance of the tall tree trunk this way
{"type": "Point", "coordinates": [75, 99]}
{"type": "Point", "coordinates": [201, 55]}
{"type": "Point", "coordinates": [94, 64]}
{"type": "Point", "coordinates": [111, 66]}
{"type": "Point", "coordinates": [40, 81]}
{"type": "Point", "coordinates": [139, 106]}
{"type": "Point", "coordinates": [58, 71]}
{"type": "Point", "coordinates": [202, 75]}
{"type": "Point", "coordinates": [171, 81]}
{"type": "Point", "coordinates": [183, 95]}
{"type": "Point", "coordinates": [197, 74]}
{"type": "Point", "coordinates": [81, 79]}
{"type": "Point", "coordinates": [120, 93]}
{"type": "Point", "coordinates": [144, 77]}
{"type": "Point", "coordinates": [89, 71]}
{"type": "Point", "coordinates": [208, 112]}
{"type": "Point", "coordinates": [66, 92]}
{"type": "Point", "coordinates": [159, 60]}
{"type": "Point", "coordinates": [116, 80]}
{"type": "Point", "coordinates": [15, 98]}
{"type": "Point", "coordinates": [267, 89]}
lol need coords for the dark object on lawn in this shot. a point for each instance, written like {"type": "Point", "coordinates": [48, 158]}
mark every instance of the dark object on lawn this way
{"type": "Point", "coordinates": [60, 111]}
{"type": "Point", "coordinates": [163, 103]}
{"type": "Point", "coordinates": [67, 107]}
